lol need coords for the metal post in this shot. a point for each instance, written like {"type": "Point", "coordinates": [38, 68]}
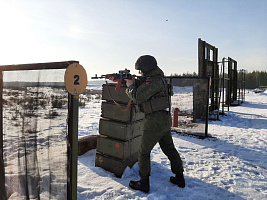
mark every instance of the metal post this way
{"type": "Point", "coordinates": [73, 149]}
{"type": "Point", "coordinates": [207, 109]}
{"type": "Point", "coordinates": [223, 78]}
{"type": "Point", "coordinates": [244, 86]}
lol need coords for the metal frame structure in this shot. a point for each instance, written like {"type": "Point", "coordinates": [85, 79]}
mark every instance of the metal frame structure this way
{"type": "Point", "coordinates": [200, 98]}
{"type": "Point", "coordinates": [232, 84]}
{"type": "Point", "coordinates": [208, 67]}
{"type": "Point", "coordinates": [225, 82]}
{"type": "Point", "coordinates": [231, 90]}
{"type": "Point", "coordinates": [72, 127]}
{"type": "Point", "coordinates": [241, 80]}
{"type": "Point", "coordinates": [227, 88]}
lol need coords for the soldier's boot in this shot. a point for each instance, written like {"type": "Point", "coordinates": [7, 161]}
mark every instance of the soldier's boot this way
{"type": "Point", "coordinates": [178, 180]}
{"type": "Point", "coordinates": [142, 185]}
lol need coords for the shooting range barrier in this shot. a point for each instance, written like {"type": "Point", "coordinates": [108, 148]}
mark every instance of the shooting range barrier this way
{"type": "Point", "coordinates": [38, 129]}
{"type": "Point", "coordinates": [191, 97]}
{"type": "Point", "coordinates": [232, 84]}
{"type": "Point", "coordinates": [227, 84]}
{"type": "Point", "coordinates": [120, 128]}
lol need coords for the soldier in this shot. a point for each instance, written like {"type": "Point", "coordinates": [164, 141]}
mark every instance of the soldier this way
{"type": "Point", "coordinates": [154, 99]}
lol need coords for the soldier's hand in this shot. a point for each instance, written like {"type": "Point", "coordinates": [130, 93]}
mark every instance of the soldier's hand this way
{"type": "Point", "coordinates": [113, 79]}
{"type": "Point", "coordinates": [128, 82]}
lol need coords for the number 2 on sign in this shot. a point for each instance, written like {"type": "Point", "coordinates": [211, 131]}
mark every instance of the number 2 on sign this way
{"type": "Point", "coordinates": [76, 82]}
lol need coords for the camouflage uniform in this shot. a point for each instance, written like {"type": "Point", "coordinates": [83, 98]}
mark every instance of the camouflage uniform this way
{"type": "Point", "coordinates": [157, 124]}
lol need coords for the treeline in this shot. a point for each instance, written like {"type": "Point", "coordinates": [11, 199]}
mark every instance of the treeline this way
{"type": "Point", "coordinates": [187, 74]}
{"type": "Point", "coordinates": [255, 79]}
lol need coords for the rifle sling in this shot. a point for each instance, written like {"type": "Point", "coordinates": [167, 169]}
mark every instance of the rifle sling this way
{"type": "Point", "coordinates": [116, 103]}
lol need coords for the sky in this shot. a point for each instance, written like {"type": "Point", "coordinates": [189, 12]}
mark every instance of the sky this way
{"type": "Point", "coordinates": [106, 36]}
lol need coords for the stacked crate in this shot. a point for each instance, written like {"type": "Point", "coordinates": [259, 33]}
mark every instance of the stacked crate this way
{"type": "Point", "coordinates": [120, 129]}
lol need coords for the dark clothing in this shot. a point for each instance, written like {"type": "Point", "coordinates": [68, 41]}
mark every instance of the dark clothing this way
{"type": "Point", "coordinates": [157, 124]}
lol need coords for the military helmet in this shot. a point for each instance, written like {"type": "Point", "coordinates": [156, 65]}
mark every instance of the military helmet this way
{"type": "Point", "coordinates": [146, 63]}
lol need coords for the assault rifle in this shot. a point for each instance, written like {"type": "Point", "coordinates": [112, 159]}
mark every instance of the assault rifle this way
{"type": "Point", "coordinates": [120, 77]}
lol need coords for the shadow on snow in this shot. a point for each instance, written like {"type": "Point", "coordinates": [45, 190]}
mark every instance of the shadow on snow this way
{"type": "Point", "coordinates": [160, 186]}
{"type": "Point", "coordinates": [253, 158]}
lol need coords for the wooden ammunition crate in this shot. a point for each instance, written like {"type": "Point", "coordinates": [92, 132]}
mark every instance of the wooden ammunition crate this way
{"type": "Point", "coordinates": [117, 148]}
{"type": "Point", "coordinates": [116, 166]}
{"type": "Point", "coordinates": [109, 93]}
{"type": "Point", "coordinates": [111, 111]}
{"type": "Point", "coordinates": [119, 130]}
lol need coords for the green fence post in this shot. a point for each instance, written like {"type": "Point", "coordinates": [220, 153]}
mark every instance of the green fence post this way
{"type": "Point", "coordinates": [2, 169]}
{"type": "Point", "coordinates": [73, 149]}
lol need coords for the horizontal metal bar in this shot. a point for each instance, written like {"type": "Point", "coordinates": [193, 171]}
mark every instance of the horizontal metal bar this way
{"type": "Point", "coordinates": [38, 66]}
{"type": "Point", "coordinates": [187, 77]}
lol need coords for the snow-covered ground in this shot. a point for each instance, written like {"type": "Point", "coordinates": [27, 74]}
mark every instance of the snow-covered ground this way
{"type": "Point", "coordinates": [232, 165]}
{"type": "Point", "coordinates": [35, 142]}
